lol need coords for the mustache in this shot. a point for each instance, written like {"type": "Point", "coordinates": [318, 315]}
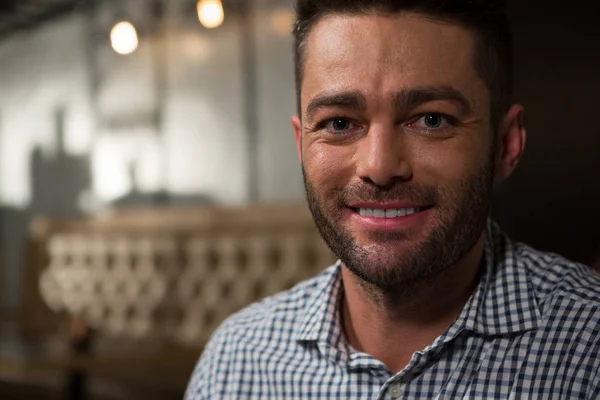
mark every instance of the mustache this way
{"type": "Point", "coordinates": [406, 192]}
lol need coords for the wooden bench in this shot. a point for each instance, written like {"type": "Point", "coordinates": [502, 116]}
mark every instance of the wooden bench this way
{"type": "Point", "coordinates": [139, 292]}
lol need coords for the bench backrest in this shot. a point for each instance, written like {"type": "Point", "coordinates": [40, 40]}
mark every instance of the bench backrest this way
{"type": "Point", "coordinates": [173, 275]}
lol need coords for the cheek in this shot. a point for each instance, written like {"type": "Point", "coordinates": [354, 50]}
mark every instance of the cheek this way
{"type": "Point", "coordinates": [327, 166]}
{"type": "Point", "coordinates": [449, 163]}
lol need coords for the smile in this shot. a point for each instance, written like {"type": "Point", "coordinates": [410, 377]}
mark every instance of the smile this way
{"type": "Point", "coordinates": [389, 212]}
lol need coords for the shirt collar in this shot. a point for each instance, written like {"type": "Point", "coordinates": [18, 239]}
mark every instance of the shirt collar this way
{"type": "Point", "coordinates": [507, 303]}
{"type": "Point", "coordinates": [321, 315]}
{"type": "Point", "coordinates": [504, 301]}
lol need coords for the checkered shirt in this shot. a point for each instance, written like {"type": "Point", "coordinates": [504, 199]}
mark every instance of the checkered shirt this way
{"type": "Point", "coordinates": [531, 330]}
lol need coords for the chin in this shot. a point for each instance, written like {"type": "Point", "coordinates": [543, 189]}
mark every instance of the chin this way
{"type": "Point", "coordinates": [395, 262]}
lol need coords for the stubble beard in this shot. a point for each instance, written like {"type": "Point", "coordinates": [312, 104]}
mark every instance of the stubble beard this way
{"type": "Point", "coordinates": [459, 220]}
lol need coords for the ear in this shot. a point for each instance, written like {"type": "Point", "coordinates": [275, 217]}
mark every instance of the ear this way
{"type": "Point", "coordinates": [511, 142]}
{"type": "Point", "coordinates": [297, 125]}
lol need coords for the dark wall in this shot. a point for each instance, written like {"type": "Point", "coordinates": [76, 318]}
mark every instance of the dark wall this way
{"type": "Point", "coordinates": [554, 197]}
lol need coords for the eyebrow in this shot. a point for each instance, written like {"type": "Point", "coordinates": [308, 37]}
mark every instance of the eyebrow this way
{"type": "Point", "coordinates": [412, 98]}
{"type": "Point", "coordinates": [351, 100]}
{"type": "Point", "coordinates": [403, 100]}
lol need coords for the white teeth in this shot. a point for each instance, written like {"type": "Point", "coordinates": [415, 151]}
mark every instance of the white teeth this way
{"type": "Point", "coordinates": [388, 213]}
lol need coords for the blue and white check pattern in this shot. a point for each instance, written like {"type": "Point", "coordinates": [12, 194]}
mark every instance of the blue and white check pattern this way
{"type": "Point", "coordinates": [531, 330]}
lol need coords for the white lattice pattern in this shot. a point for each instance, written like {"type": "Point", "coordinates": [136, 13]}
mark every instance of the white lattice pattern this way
{"type": "Point", "coordinates": [173, 285]}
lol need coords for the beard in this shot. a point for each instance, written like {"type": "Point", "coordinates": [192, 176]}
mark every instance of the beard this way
{"type": "Point", "coordinates": [397, 263]}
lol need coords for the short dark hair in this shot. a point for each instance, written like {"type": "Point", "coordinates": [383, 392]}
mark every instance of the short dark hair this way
{"type": "Point", "coordinates": [486, 19]}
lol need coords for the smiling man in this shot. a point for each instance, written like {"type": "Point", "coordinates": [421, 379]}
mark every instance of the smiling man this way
{"type": "Point", "coordinates": [404, 124]}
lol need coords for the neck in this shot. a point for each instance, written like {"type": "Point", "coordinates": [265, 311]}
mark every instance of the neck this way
{"type": "Point", "coordinates": [392, 328]}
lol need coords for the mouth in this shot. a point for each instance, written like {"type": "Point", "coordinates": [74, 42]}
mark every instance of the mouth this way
{"type": "Point", "coordinates": [389, 217]}
{"type": "Point", "coordinates": [383, 212]}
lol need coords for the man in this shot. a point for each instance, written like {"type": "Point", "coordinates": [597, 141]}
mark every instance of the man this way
{"type": "Point", "coordinates": [404, 125]}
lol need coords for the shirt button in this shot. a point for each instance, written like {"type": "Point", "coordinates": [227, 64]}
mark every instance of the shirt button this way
{"type": "Point", "coordinates": [396, 391]}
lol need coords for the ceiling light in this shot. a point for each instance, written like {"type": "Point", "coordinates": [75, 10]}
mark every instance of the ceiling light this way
{"type": "Point", "coordinates": [210, 13]}
{"type": "Point", "coordinates": [123, 38]}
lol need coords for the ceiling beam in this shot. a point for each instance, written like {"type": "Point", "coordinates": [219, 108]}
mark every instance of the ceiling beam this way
{"type": "Point", "coordinates": [18, 20]}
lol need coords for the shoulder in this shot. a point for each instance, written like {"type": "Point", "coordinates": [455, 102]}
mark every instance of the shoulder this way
{"type": "Point", "coordinates": [554, 277]}
{"type": "Point", "coordinates": [283, 309]}
{"type": "Point", "coordinates": [267, 326]}
{"type": "Point", "coordinates": [568, 298]}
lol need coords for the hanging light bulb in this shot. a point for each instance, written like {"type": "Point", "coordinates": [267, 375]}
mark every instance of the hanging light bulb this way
{"type": "Point", "coordinates": [123, 38]}
{"type": "Point", "coordinates": [210, 13]}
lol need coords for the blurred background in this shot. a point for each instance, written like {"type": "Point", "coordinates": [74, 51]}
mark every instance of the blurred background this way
{"type": "Point", "coordinates": [149, 183]}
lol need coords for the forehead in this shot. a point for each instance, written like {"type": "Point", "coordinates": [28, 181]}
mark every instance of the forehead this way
{"type": "Point", "coordinates": [381, 54]}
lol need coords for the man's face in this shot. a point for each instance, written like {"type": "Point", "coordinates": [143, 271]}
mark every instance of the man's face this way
{"type": "Point", "coordinates": [396, 144]}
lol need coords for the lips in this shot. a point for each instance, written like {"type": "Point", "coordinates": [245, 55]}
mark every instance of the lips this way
{"type": "Point", "coordinates": [390, 212]}
{"type": "Point", "coordinates": [388, 217]}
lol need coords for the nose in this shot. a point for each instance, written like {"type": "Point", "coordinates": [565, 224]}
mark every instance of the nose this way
{"type": "Point", "coordinates": [382, 157]}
